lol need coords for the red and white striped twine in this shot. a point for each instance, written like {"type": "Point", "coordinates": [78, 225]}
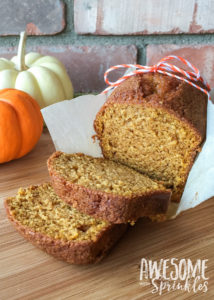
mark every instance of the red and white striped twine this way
{"type": "Point", "coordinates": [164, 68]}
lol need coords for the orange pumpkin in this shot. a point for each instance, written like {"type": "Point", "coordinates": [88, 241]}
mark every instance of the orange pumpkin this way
{"type": "Point", "coordinates": [21, 124]}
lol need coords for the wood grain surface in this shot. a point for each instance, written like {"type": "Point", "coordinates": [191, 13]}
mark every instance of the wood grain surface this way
{"type": "Point", "coordinates": [28, 273]}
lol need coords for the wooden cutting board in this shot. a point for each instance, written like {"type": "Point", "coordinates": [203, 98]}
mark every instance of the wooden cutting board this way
{"type": "Point", "coordinates": [28, 273]}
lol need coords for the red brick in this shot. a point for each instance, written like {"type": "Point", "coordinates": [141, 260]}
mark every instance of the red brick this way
{"type": "Point", "coordinates": [200, 55]}
{"type": "Point", "coordinates": [110, 17]}
{"type": "Point", "coordinates": [36, 17]}
{"type": "Point", "coordinates": [85, 64]}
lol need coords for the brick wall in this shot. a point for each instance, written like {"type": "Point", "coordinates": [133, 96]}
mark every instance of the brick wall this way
{"type": "Point", "coordinates": [88, 36]}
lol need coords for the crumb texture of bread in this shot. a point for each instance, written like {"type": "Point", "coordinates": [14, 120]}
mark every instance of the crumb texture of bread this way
{"type": "Point", "coordinates": [103, 175]}
{"type": "Point", "coordinates": [43, 211]}
{"type": "Point", "coordinates": [154, 124]}
{"type": "Point", "coordinates": [57, 228]}
{"type": "Point", "coordinates": [106, 189]}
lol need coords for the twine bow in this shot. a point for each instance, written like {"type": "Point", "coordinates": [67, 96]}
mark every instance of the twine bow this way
{"type": "Point", "coordinates": [164, 68]}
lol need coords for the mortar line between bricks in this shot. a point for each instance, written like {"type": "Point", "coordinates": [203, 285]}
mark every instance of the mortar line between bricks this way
{"type": "Point", "coordinates": [72, 37]}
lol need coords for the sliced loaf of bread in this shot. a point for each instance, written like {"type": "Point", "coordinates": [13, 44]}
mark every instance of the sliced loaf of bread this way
{"type": "Point", "coordinates": [155, 124]}
{"type": "Point", "coordinates": [57, 228]}
{"type": "Point", "coordinates": [106, 189]}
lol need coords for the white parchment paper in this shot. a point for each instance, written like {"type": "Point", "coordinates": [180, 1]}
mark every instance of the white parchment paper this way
{"type": "Point", "coordinates": [70, 124]}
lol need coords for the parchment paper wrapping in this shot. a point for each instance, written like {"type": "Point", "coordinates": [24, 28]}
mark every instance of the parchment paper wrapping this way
{"type": "Point", "coordinates": [70, 124]}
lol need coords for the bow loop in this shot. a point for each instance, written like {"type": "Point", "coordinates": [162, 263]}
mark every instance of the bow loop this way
{"type": "Point", "coordinates": [163, 67]}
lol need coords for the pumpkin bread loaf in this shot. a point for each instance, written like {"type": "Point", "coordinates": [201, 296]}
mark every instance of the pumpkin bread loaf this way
{"type": "Point", "coordinates": [155, 124]}
{"type": "Point", "coordinates": [57, 228]}
{"type": "Point", "coordinates": [106, 189]}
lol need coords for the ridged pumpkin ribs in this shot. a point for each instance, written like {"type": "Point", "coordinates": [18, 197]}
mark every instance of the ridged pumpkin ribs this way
{"type": "Point", "coordinates": [156, 125]}
{"type": "Point", "coordinates": [21, 124]}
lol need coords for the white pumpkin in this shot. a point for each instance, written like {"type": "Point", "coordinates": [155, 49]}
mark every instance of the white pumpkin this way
{"type": "Point", "coordinates": [43, 77]}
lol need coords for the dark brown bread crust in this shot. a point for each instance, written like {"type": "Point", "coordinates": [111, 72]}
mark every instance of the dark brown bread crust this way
{"type": "Point", "coordinates": [180, 99]}
{"type": "Point", "coordinates": [82, 252]}
{"type": "Point", "coordinates": [106, 206]}
{"type": "Point", "coordinates": [156, 90]}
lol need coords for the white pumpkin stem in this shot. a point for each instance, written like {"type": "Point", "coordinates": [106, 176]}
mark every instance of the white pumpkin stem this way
{"type": "Point", "coordinates": [21, 52]}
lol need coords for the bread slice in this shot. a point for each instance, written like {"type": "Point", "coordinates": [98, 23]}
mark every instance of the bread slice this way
{"type": "Point", "coordinates": [155, 124]}
{"type": "Point", "coordinates": [57, 228]}
{"type": "Point", "coordinates": [106, 189]}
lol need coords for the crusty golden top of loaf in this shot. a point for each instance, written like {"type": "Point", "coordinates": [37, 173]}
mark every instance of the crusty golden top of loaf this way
{"type": "Point", "coordinates": [183, 100]}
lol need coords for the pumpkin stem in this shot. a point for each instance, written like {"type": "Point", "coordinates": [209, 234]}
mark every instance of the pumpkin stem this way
{"type": "Point", "coordinates": [21, 52]}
